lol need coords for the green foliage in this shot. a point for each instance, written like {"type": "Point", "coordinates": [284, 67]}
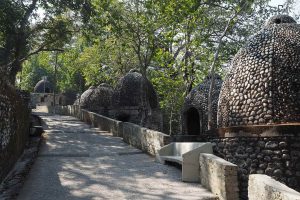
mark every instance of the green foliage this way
{"type": "Point", "coordinates": [33, 71]}
{"type": "Point", "coordinates": [173, 42]}
{"type": "Point", "coordinates": [23, 33]}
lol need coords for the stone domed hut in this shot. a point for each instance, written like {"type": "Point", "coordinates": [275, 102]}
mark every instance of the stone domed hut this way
{"type": "Point", "coordinates": [100, 99]}
{"type": "Point", "coordinates": [43, 86]}
{"type": "Point", "coordinates": [263, 86]}
{"type": "Point", "coordinates": [85, 98]}
{"type": "Point", "coordinates": [259, 106]}
{"type": "Point", "coordinates": [194, 112]}
{"type": "Point", "coordinates": [135, 100]}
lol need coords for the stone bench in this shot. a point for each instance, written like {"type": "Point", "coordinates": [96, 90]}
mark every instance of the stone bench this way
{"type": "Point", "coordinates": [187, 155]}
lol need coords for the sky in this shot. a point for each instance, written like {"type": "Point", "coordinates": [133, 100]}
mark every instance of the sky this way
{"type": "Point", "coordinates": [296, 9]}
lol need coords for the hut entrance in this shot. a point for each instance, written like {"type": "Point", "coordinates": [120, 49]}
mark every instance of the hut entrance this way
{"type": "Point", "coordinates": [193, 121]}
{"type": "Point", "coordinates": [123, 117]}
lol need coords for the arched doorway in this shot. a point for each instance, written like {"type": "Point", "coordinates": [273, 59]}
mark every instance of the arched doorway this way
{"type": "Point", "coordinates": [192, 121]}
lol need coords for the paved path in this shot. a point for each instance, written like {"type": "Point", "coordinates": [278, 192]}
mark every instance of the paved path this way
{"type": "Point", "coordinates": [79, 162]}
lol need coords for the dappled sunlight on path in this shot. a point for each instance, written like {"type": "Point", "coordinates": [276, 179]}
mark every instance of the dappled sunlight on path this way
{"type": "Point", "coordinates": [79, 162]}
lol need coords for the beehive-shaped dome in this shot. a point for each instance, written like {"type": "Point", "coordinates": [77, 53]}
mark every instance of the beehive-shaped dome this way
{"type": "Point", "coordinates": [263, 85]}
{"type": "Point", "coordinates": [101, 97]}
{"type": "Point", "coordinates": [85, 98]}
{"type": "Point", "coordinates": [135, 90]}
{"type": "Point", "coordinates": [43, 86]}
{"type": "Point", "coordinates": [195, 108]}
{"type": "Point", "coordinates": [135, 100]}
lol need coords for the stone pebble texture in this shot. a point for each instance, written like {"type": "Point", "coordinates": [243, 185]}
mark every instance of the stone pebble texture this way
{"type": "Point", "coordinates": [43, 86]}
{"type": "Point", "coordinates": [135, 100]}
{"type": "Point", "coordinates": [85, 98]}
{"type": "Point", "coordinates": [263, 85]}
{"type": "Point", "coordinates": [14, 125]}
{"type": "Point", "coordinates": [277, 157]}
{"type": "Point", "coordinates": [97, 99]}
{"type": "Point", "coordinates": [132, 100]}
{"type": "Point", "coordinates": [198, 99]}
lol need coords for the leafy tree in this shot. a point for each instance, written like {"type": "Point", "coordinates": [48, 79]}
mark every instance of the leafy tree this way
{"type": "Point", "coordinates": [33, 71]}
{"type": "Point", "coordinates": [23, 33]}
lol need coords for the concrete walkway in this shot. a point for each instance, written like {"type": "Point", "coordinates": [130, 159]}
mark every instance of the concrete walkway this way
{"type": "Point", "coordinates": [80, 162]}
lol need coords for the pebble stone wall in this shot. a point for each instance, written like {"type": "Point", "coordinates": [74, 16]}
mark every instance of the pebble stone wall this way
{"type": "Point", "coordinates": [278, 157]}
{"type": "Point", "coordinates": [263, 86]}
{"type": "Point", "coordinates": [14, 125]}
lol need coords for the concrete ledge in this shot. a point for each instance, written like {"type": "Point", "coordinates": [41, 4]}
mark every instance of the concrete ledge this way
{"type": "Point", "coordinates": [219, 176]}
{"type": "Point", "coordinates": [145, 139]}
{"type": "Point", "coordinates": [263, 187]}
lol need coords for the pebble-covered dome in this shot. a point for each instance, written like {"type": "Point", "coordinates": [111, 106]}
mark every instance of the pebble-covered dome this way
{"type": "Point", "coordinates": [134, 90]}
{"type": "Point", "coordinates": [134, 100]}
{"type": "Point", "coordinates": [194, 111]}
{"type": "Point", "coordinates": [101, 97]}
{"type": "Point", "coordinates": [263, 85]}
{"type": "Point", "coordinates": [85, 99]}
{"type": "Point", "coordinates": [43, 86]}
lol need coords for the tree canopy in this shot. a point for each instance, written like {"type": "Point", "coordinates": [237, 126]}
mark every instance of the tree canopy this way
{"type": "Point", "coordinates": [175, 43]}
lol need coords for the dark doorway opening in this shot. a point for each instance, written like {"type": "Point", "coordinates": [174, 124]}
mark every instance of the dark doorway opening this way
{"type": "Point", "coordinates": [123, 117]}
{"type": "Point", "coordinates": [193, 122]}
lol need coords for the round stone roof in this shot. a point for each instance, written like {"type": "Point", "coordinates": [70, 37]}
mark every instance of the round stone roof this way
{"type": "Point", "coordinates": [198, 99]}
{"type": "Point", "coordinates": [263, 85]}
{"type": "Point", "coordinates": [101, 96]}
{"type": "Point", "coordinates": [135, 90]}
{"type": "Point", "coordinates": [85, 97]}
{"type": "Point", "coordinates": [43, 86]}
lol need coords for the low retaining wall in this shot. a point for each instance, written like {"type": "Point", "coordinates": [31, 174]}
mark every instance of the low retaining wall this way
{"type": "Point", "coordinates": [271, 150]}
{"type": "Point", "coordinates": [147, 140]}
{"type": "Point", "coordinates": [278, 157]}
{"type": "Point", "coordinates": [219, 176]}
{"type": "Point", "coordinates": [263, 187]}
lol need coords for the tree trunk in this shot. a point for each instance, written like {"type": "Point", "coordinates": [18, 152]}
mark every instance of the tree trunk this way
{"type": "Point", "coordinates": [212, 73]}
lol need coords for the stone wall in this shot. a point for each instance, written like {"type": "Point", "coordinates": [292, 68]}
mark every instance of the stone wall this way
{"type": "Point", "coordinates": [47, 99]}
{"type": "Point", "coordinates": [146, 139]}
{"type": "Point", "coordinates": [142, 138]}
{"type": "Point", "coordinates": [102, 122]}
{"type": "Point", "coordinates": [273, 150]}
{"type": "Point", "coordinates": [263, 187]}
{"type": "Point", "coordinates": [14, 126]}
{"type": "Point", "coordinates": [219, 176]}
{"type": "Point", "coordinates": [278, 157]}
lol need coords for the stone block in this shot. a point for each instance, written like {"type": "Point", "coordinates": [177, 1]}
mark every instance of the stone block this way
{"type": "Point", "coordinates": [219, 176]}
{"type": "Point", "coordinates": [263, 187]}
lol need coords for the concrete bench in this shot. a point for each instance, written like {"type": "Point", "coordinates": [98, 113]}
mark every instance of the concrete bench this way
{"type": "Point", "coordinates": [187, 155]}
